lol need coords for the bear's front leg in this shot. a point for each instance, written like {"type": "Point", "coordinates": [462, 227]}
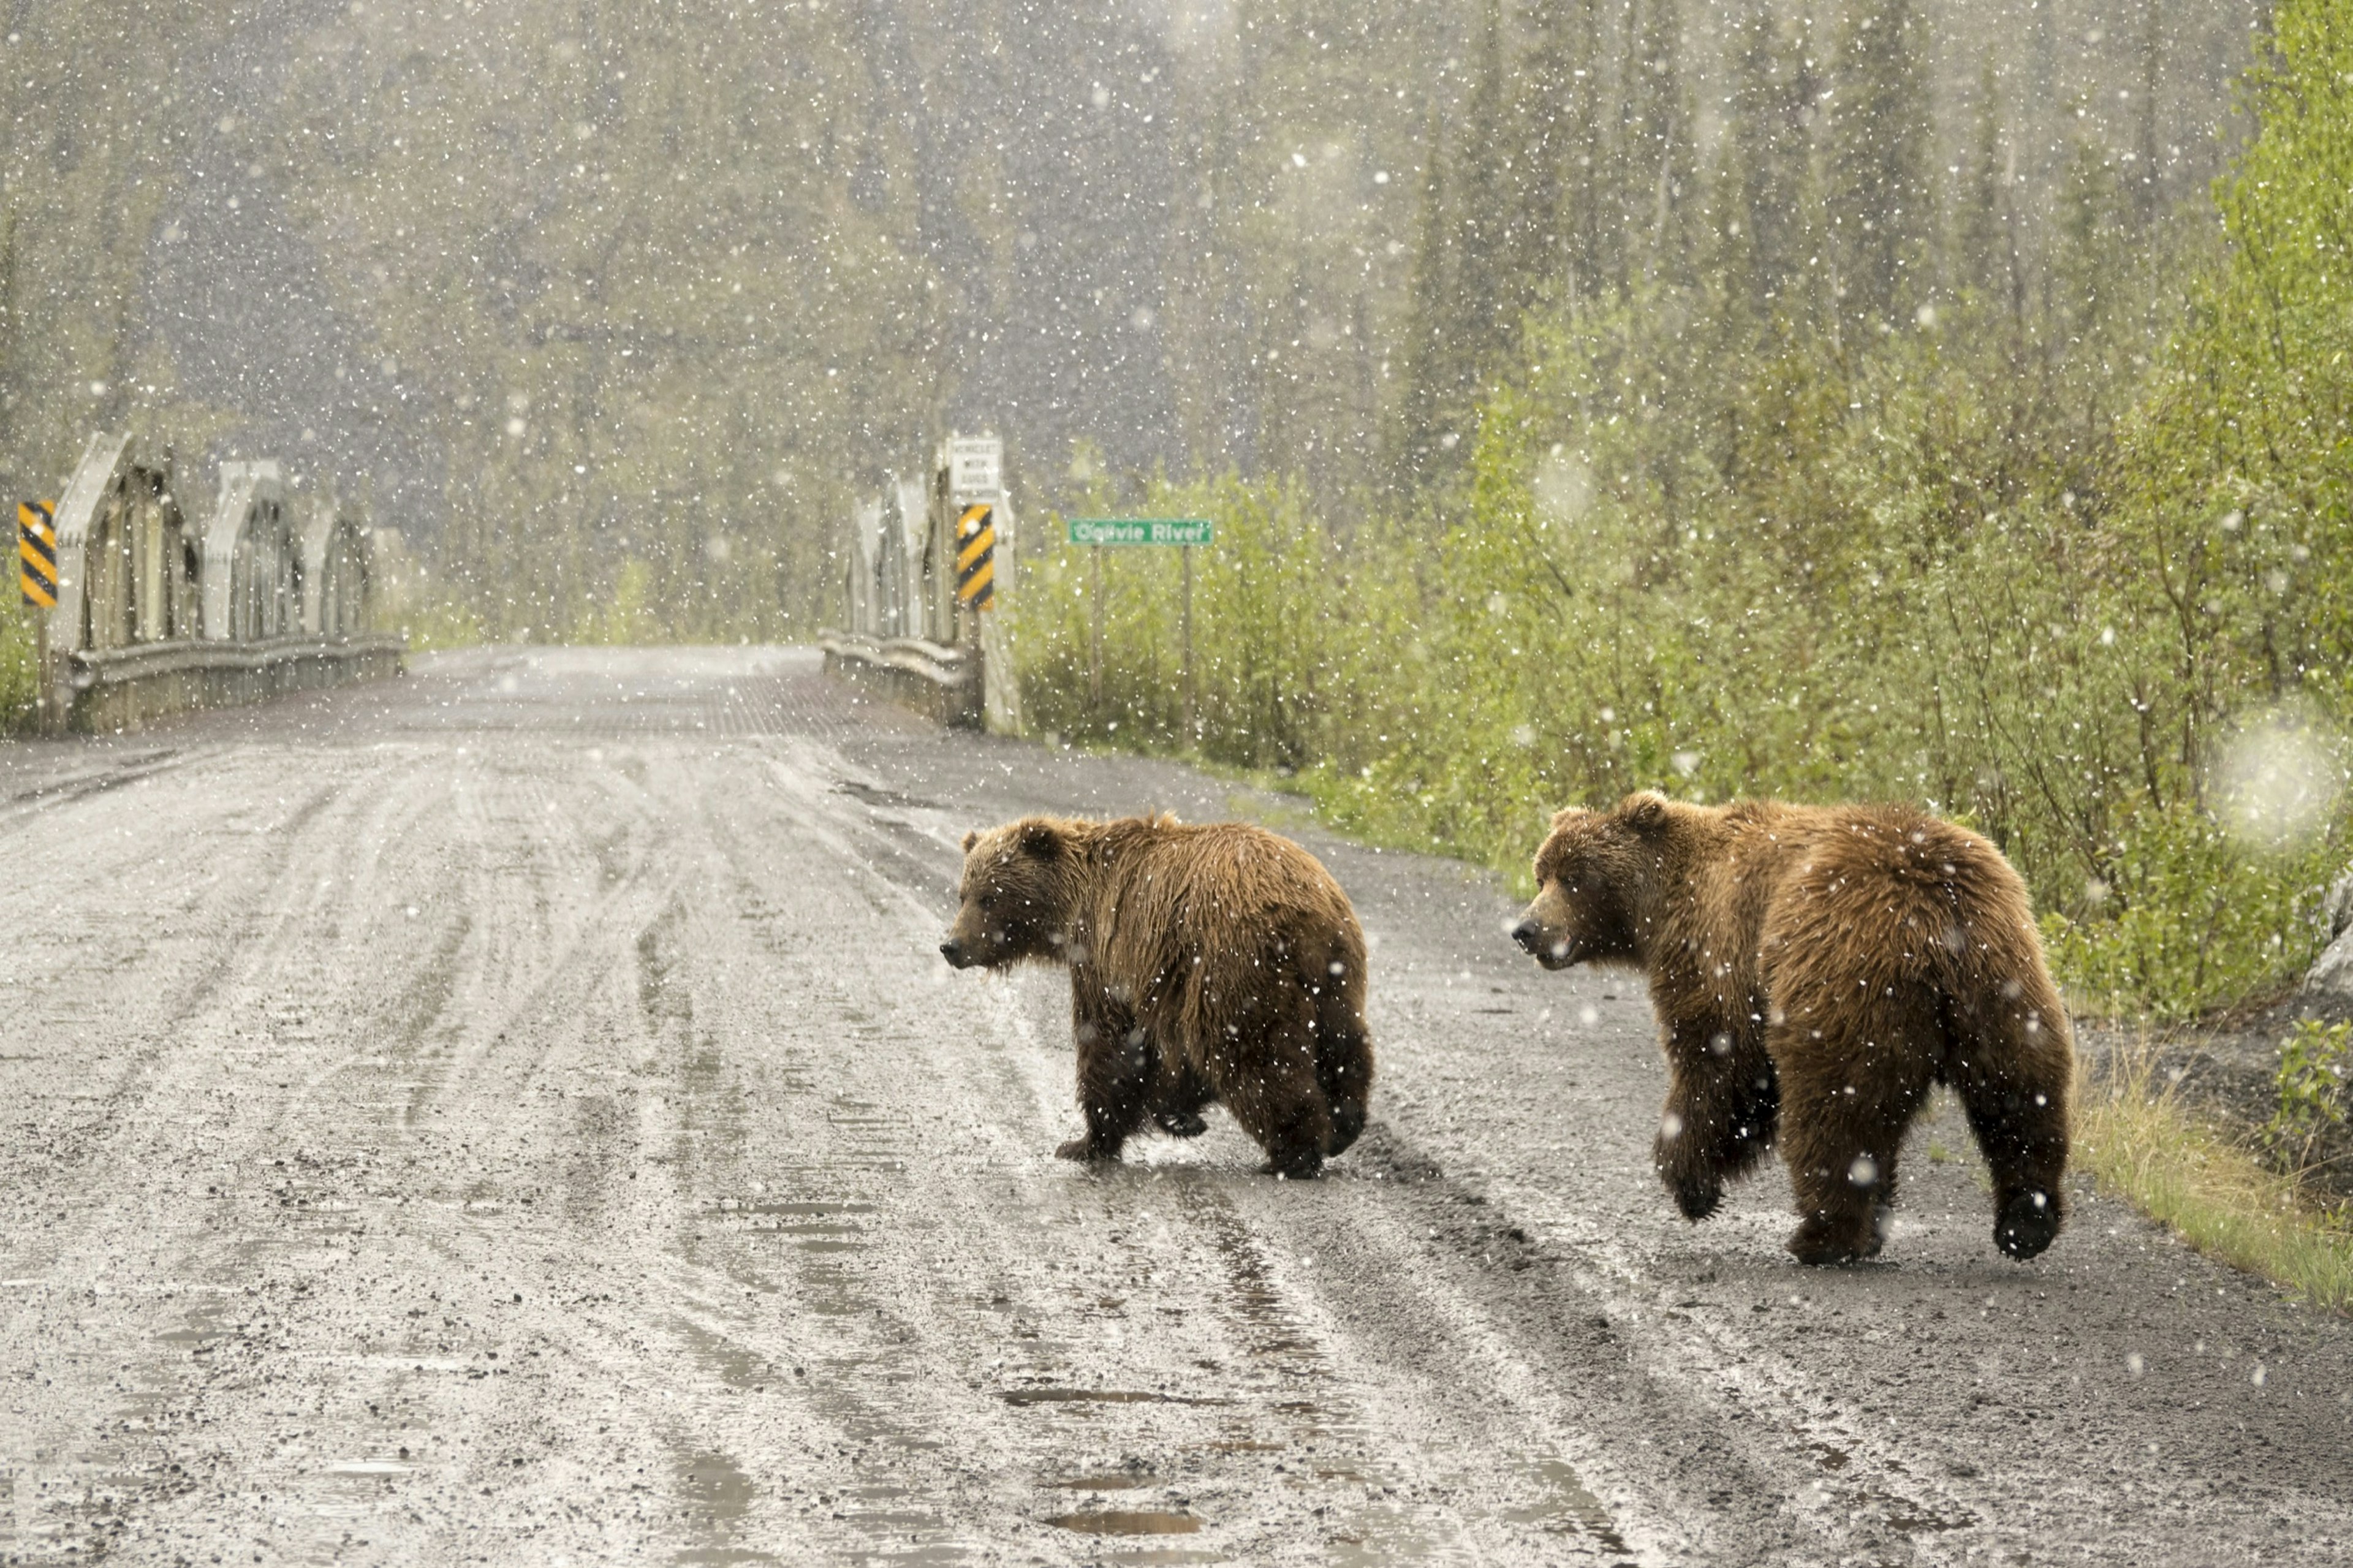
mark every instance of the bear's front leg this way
{"type": "Point", "coordinates": [1114, 1070]}
{"type": "Point", "coordinates": [1723, 1101]}
{"type": "Point", "coordinates": [1177, 1096]}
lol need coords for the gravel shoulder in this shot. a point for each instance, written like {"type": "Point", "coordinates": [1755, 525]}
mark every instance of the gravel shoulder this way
{"type": "Point", "coordinates": [517, 1113]}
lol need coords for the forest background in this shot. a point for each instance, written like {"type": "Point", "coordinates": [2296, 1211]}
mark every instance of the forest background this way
{"type": "Point", "coordinates": [1820, 398]}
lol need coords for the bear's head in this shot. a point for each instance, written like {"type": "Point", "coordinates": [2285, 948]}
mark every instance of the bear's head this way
{"type": "Point", "coordinates": [1593, 876]}
{"type": "Point", "coordinates": [1016, 894]}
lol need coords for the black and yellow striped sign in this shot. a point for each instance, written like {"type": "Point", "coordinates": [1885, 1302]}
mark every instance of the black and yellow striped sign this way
{"type": "Point", "coordinates": [37, 553]}
{"type": "Point", "coordinates": [976, 557]}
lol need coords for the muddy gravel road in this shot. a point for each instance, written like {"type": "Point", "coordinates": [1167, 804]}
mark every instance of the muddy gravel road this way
{"type": "Point", "coordinates": [517, 1113]}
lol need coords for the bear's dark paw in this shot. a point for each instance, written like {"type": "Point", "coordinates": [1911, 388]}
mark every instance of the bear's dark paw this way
{"type": "Point", "coordinates": [1086, 1149]}
{"type": "Point", "coordinates": [1821, 1240]}
{"type": "Point", "coordinates": [2026, 1223]}
{"type": "Point", "coordinates": [1296, 1164]}
{"type": "Point", "coordinates": [1697, 1193]}
{"type": "Point", "coordinates": [1181, 1123]}
{"type": "Point", "coordinates": [1347, 1121]}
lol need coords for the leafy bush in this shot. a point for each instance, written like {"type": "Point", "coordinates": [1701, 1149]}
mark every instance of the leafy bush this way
{"type": "Point", "coordinates": [19, 681]}
{"type": "Point", "coordinates": [2192, 919]}
{"type": "Point", "coordinates": [1282, 634]}
{"type": "Point", "coordinates": [2315, 1098]}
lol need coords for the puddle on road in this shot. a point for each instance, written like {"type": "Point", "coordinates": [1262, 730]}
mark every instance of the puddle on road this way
{"type": "Point", "coordinates": [1380, 1538]}
{"type": "Point", "coordinates": [1902, 1515]}
{"type": "Point", "coordinates": [717, 1495]}
{"type": "Point", "coordinates": [778, 1208]}
{"type": "Point", "coordinates": [875, 795]}
{"type": "Point", "coordinates": [1571, 1508]}
{"type": "Point", "coordinates": [849, 1111]}
{"type": "Point", "coordinates": [737, 1366]}
{"type": "Point", "coordinates": [1019, 1397]}
{"type": "Point", "coordinates": [1118, 1481]}
{"type": "Point", "coordinates": [203, 1326]}
{"type": "Point", "coordinates": [813, 1227]}
{"type": "Point", "coordinates": [713, 1483]}
{"type": "Point", "coordinates": [1902, 1519]}
{"type": "Point", "coordinates": [1126, 1522]}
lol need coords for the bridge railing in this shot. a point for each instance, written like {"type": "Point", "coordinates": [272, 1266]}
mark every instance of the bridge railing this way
{"type": "Point", "coordinates": [152, 617]}
{"type": "Point", "coordinates": [906, 636]}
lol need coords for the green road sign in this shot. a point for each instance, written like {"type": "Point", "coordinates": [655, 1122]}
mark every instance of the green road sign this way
{"type": "Point", "coordinates": [1141, 531]}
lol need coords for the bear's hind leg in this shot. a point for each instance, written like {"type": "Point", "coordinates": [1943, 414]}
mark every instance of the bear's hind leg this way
{"type": "Point", "coordinates": [1266, 1073]}
{"type": "Point", "coordinates": [2012, 1074]}
{"type": "Point", "coordinates": [1846, 1099]}
{"type": "Point", "coordinates": [1343, 1066]}
{"type": "Point", "coordinates": [1114, 1073]}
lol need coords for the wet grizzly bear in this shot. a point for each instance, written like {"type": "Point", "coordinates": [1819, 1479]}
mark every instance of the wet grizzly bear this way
{"type": "Point", "coordinates": [1821, 967]}
{"type": "Point", "coordinates": [1206, 963]}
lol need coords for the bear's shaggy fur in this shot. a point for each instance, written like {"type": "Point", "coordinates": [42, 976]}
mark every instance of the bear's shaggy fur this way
{"type": "Point", "coordinates": [1819, 968]}
{"type": "Point", "coordinates": [1218, 962]}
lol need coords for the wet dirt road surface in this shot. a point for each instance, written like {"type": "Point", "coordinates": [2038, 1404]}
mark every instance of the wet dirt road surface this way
{"type": "Point", "coordinates": [516, 1113]}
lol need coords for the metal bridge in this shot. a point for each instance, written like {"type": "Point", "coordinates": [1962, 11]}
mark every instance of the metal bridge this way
{"type": "Point", "coordinates": [158, 613]}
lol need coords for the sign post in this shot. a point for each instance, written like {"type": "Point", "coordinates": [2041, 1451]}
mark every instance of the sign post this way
{"type": "Point", "coordinates": [976, 558]}
{"type": "Point", "coordinates": [971, 483]}
{"type": "Point", "coordinates": [1186, 553]}
{"type": "Point", "coordinates": [36, 583]}
{"type": "Point", "coordinates": [1184, 533]}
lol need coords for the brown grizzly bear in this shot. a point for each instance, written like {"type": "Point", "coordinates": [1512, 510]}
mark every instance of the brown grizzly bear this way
{"type": "Point", "coordinates": [1822, 967]}
{"type": "Point", "coordinates": [1215, 962]}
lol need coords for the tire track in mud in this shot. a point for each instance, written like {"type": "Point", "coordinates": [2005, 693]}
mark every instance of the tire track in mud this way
{"type": "Point", "coordinates": [1257, 1332]}
{"type": "Point", "coordinates": [288, 967]}
{"type": "Point", "coordinates": [75, 1486]}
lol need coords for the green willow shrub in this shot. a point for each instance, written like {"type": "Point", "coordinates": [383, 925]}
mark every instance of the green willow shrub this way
{"type": "Point", "coordinates": [2315, 1098]}
{"type": "Point", "coordinates": [19, 681]}
{"type": "Point", "coordinates": [2239, 466]}
{"type": "Point", "coordinates": [1283, 625]}
{"type": "Point", "coordinates": [2192, 919]}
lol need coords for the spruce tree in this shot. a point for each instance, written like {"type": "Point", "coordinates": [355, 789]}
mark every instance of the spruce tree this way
{"type": "Point", "coordinates": [1489, 274]}
{"type": "Point", "coordinates": [1433, 340]}
{"type": "Point", "coordinates": [1560, 117]}
{"type": "Point", "coordinates": [1655, 172]}
{"type": "Point", "coordinates": [1765, 173]}
{"type": "Point", "coordinates": [1984, 250]}
{"type": "Point", "coordinates": [1880, 200]}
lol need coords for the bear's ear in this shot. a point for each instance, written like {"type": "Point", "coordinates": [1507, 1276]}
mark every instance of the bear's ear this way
{"type": "Point", "coordinates": [1567, 814]}
{"type": "Point", "coordinates": [970, 838]}
{"type": "Point", "coordinates": [1643, 810]}
{"type": "Point", "coordinates": [1041, 839]}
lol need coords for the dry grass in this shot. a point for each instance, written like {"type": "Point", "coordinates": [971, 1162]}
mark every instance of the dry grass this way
{"type": "Point", "coordinates": [2140, 1144]}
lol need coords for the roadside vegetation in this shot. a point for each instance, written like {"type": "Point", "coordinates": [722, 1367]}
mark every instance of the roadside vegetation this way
{"type": "Point", "coordinates": [2140, 1142]}
{"type": "Point", "coordinates": [1800, 509]}
{"type": "Point", "coordinates": [2068, 562]}
{"type": "Point", "coordinates": [19, 679]}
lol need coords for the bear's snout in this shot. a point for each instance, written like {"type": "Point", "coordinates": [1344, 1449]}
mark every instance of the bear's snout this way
{"type": "Point", "coordinates": [1548, 947]}
{"type": "Point", "coordinates": [954, 951]}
